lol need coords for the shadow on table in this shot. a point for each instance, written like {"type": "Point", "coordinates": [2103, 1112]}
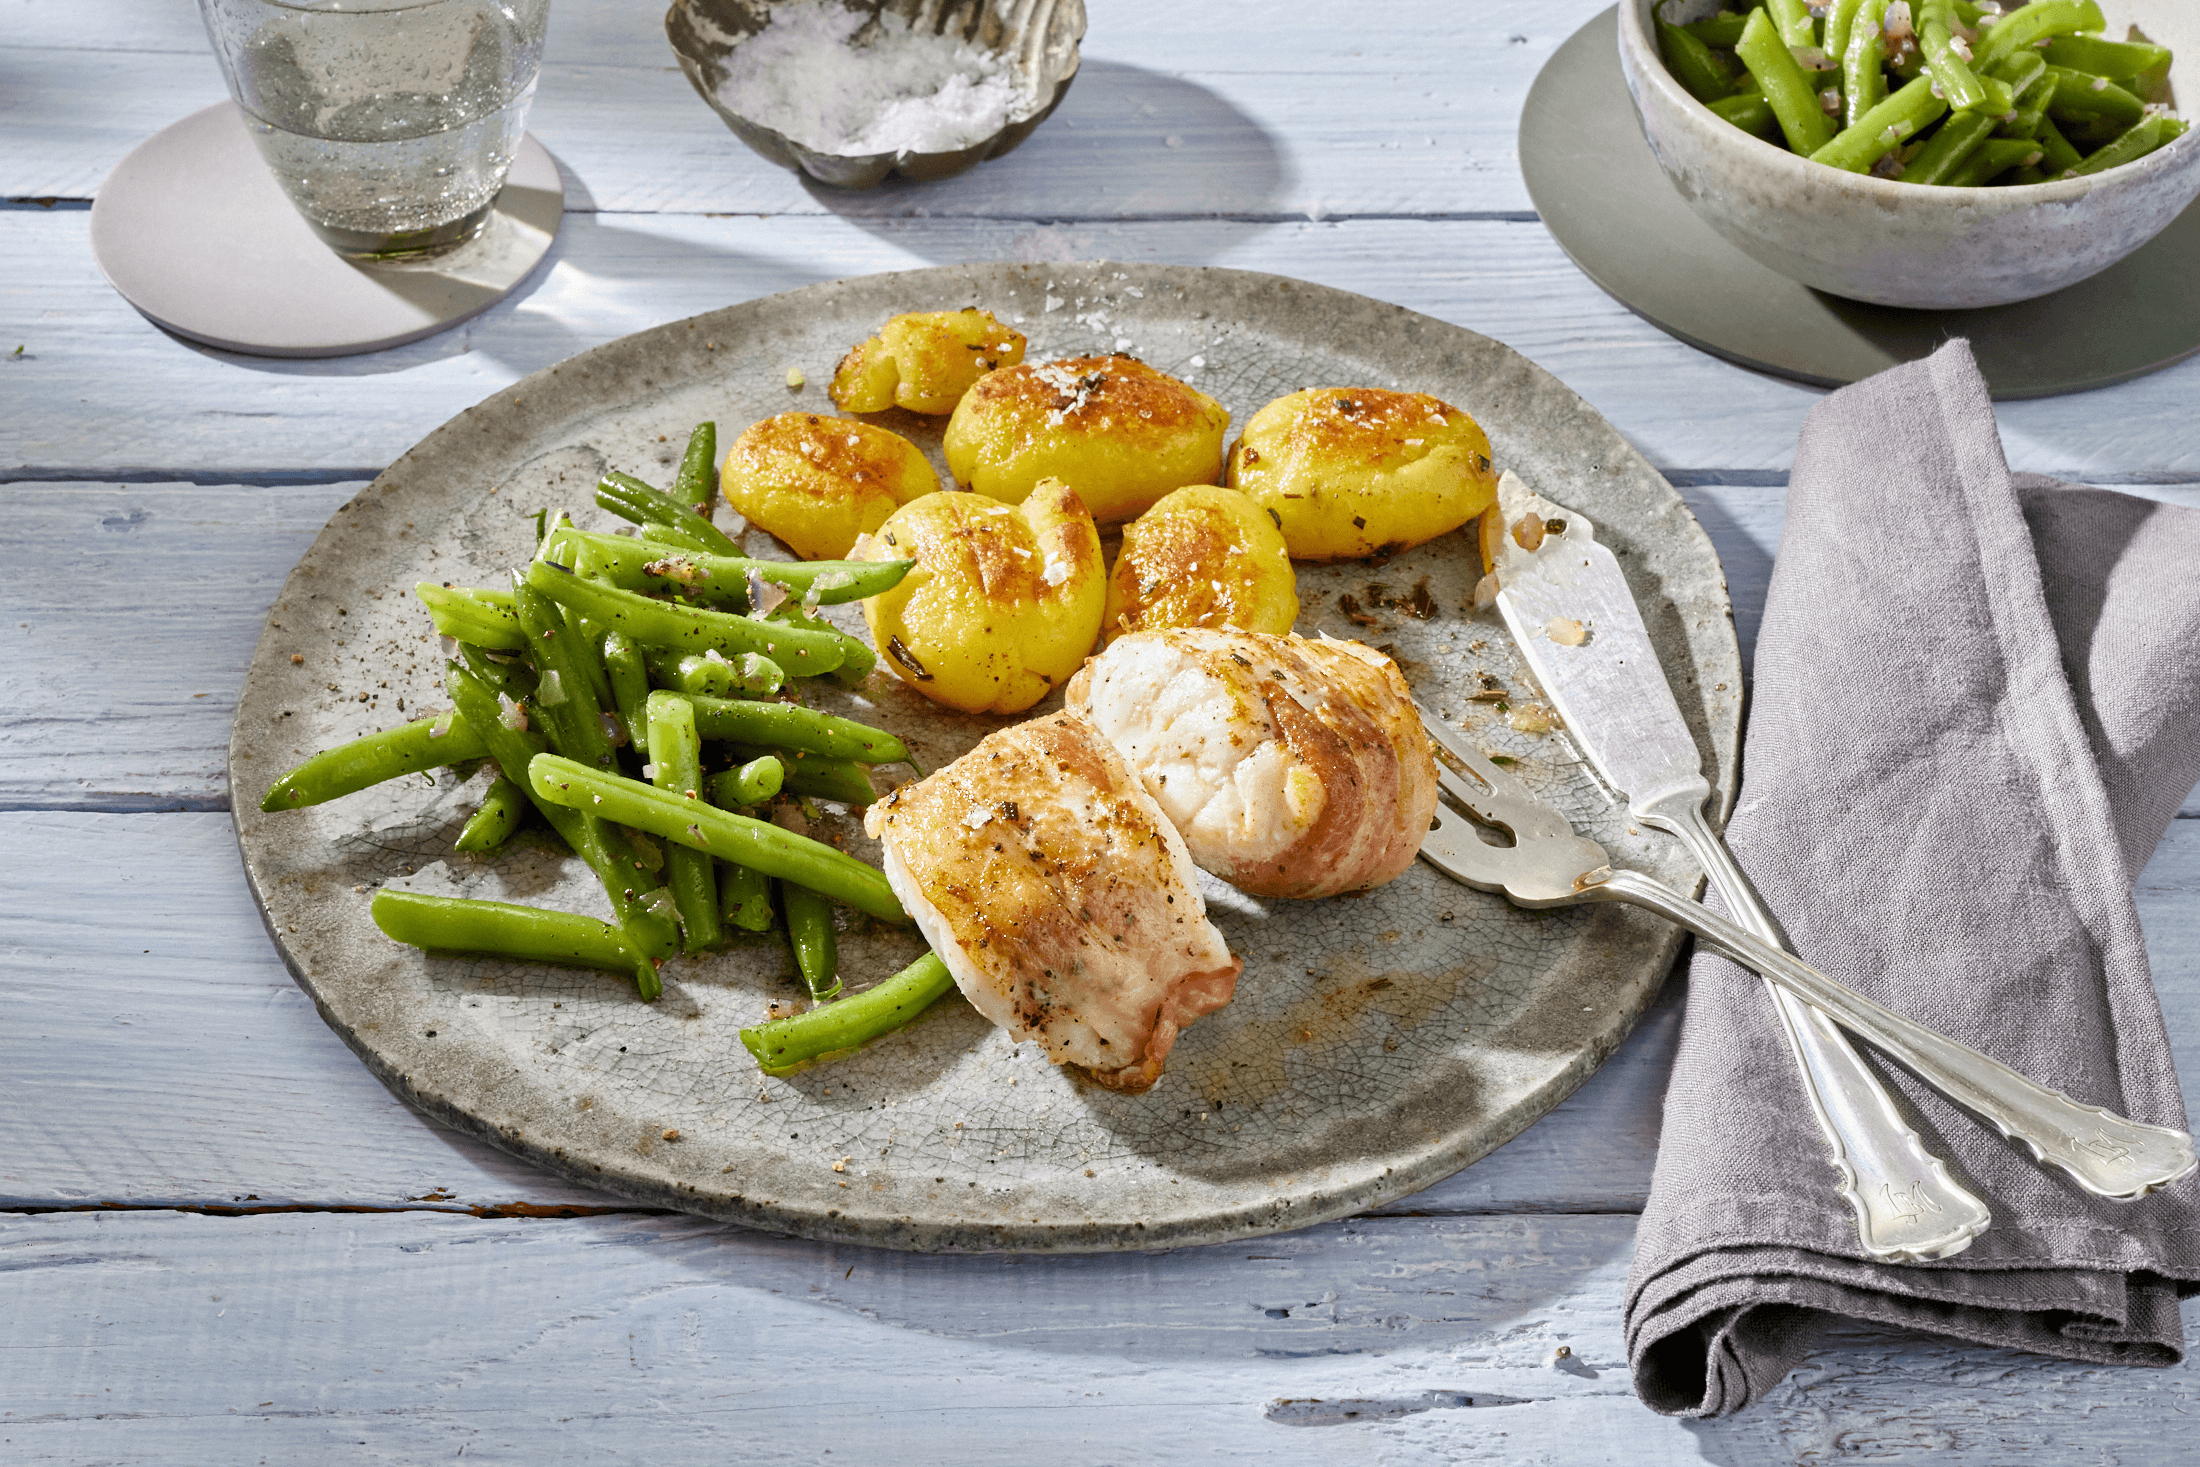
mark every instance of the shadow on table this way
{"type": "Point", "coordinates": [1127, 145]}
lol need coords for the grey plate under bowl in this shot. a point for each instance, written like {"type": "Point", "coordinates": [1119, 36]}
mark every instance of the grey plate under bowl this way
{"type": "Point", "coordinates": [1377, 1043]}
{"type": "Point", "coordinates": [1600, 192]}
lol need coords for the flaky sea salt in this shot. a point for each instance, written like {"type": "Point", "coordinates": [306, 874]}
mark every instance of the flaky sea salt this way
{"type": "Point", "coordinates": [810, 76]}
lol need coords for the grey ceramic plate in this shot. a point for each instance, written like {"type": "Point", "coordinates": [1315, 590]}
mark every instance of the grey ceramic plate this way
{"type": "Point", "coordinates": [1377, 1043]}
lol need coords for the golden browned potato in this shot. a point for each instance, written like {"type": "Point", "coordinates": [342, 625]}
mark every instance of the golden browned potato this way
{"type": "Point", "coordinates": [818, 482]}
{"type": "Point", "coordinates": [1358, 471]}
{"type": "Point", "coordinates": [1204, 556]}
{"type": "Point", "coordinates": [1003, 602]}
{"type": "Point", "coordinates": [1117, 431]}
{"type": "Point", "coordinates": [924, 361]}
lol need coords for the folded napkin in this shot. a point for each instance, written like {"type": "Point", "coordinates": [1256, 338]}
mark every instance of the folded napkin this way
{"type": "Point", "coordinates": [1976, 709]}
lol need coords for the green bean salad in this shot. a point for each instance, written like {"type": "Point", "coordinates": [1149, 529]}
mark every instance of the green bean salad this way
{"type": "Point", "coordinates": [615, 651]}
{"type": "Point", "coordinates": [1943, 92]}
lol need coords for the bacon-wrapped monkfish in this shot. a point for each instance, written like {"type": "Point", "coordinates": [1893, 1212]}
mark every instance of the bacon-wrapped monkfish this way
{"type": "Point", "coordinates": [1293, 768]}
{"type": "Point", "coordinates": [1062, 901]}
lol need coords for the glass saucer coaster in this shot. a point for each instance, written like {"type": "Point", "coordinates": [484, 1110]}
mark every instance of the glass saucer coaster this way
{"type": "Point", "coordinates": [194, 231]}
{"type": "Point", "coordinates": [1602, 195]}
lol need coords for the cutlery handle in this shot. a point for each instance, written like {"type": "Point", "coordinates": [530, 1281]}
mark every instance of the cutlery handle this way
{"type": "Point", "coordinates": [1908, 1208]}
{"type": "Point", "coordinates": [2107, 1154]}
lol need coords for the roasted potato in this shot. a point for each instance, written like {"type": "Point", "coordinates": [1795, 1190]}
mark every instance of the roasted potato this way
{"type": "Point", "coordinates": [1117, 431]}
{"type": "Point", "coordinates": [1204, 556]}
{"type": "Point", "coordinates": [1003, 602]}
{"type": "Point", "coordinates": [818, 482]}
{"type": "Point", "coordinates": [924, 361]}
{"type": "Point", "coordinates": [1358, 471]}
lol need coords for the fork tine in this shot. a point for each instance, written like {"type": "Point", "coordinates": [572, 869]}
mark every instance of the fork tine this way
{"type": "Point", "coordinates": [1458, 788]}
{"type": "Point", "coordinates": [1503, 798]}
{"type": "Point", "coordinates": [1499, 783]}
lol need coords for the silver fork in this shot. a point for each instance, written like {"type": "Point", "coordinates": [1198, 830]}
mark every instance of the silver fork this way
{"type": "Point", "coordinates": [1549, 864]}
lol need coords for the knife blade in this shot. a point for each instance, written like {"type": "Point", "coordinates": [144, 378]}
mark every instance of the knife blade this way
{"type": "Point", "coordinates": [1570, 613]}
{"type": "Point", "coordinates": [1565, 600]}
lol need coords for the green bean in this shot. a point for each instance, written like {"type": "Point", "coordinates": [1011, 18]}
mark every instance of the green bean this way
{"type": "Point", "coordinates": [2032, 102]}
{"type": "Point", "coordinates": [628, 668]}
{"type": "Point", "coordinates": [752, 784]}
{"type": "Point", "coordinates": [712, 676]}
{"type": "Point", "coordinates": [2020, 70]}
{"type": "Point", "coordinates": [566, 695]}
{"type": "Point", "coordinates": [643, 910]}
{"type": "Point", "coordinates": [1705, 73]}
{"type": "Point", "coordinates": [528, 934]}
{"type": "Point", "coordinates": [2082, 98]}
{"type": "Point", "coordinates": [835, 1030]}
{"type": "Point", "coordinates": [2035, 22]}
{"type": "Point", "coordinates": [1840, 22]}
{"type": "Point", "coordinates": [1863, 83]}
{"type": "Point", "coordinates": [1883, 129]}
{"type": "Point", "coordinates": [803, 651]}
{"type": "Point", "coordinates": [2094, 134]}
{"type": "Point", "coordinates": [856, 664]}
{"type": "Point", "coordinates": [2132, 146]}
{"type": "Point", "coordinates": [1936, 37]}
{"type": "Point", "coordinates": [695, 485]}
{"type": "Point", "coordinates": [586, 652]}
{"type": "Point", "coordinates": [1779, 76]}
{"type": "Point", "coordinates": [626, 563]}
{"type": "Point", "coordinates": [510, 676]}
{"type": "Point", "coordinates": [2061, 157]}
{"type": "Point", "coordinates": [810, 935]}
{"type": "Point", "coordinates": [791, 726]}
{"type": "Point", "coordinates": [744, 897]}
{"type": "Point", "coordinates": [1993, 158]}
{"type": "Point", "coordinates": [1750, 112]}
{"type": "Point", "coordinates": [657, 508]}
{"type": "Point", "coordinates": [676, 766]}
{"type": "Point", "coordinates": [1721, 30]}
{"type": "Point", "coordinates": [501, 811]}
{"type": "Point", "coordinates": [703, 827]}
{"type": "Point", "coordinates": [1943, 153]}
{"type": "Point", "coordinates": [1791, 18]}
{"type": "Point", "coordinates": [805, 774]}
{"type": "Point", "coordinates": [663, 539]}
{"type": "Point", "coordinates": [423, 744]}
{"type": "Point", "coordinates": [482, 617]}
{"type": "Point", "coordinates": [2115, 60]}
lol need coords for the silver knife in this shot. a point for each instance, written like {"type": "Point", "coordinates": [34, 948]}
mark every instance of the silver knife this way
{"type": "Point", "coordinates": [1565, 601]}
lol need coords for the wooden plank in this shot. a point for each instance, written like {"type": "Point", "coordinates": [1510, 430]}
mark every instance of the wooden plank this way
{"type": "Point", "coordinates": [1248, 110]}
{"type": "Point", "coordinates": [159, 1337]}
{"type": "Point", "coordinates": [129, 613]}
{"type": "Point", "coordinates": [198, 410]}
{"type": "Point", "coordinates": [185, 574]}
{"type": "Point", "coordinates": [161, 1055]}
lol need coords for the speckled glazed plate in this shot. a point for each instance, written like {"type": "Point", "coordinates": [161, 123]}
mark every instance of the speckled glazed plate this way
{"type": "Point", "coordinates": [1376, 1044]}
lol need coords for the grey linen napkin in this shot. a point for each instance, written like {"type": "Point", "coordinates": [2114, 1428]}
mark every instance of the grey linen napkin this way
{"type": "Point", "coordinates": [1976, 709]}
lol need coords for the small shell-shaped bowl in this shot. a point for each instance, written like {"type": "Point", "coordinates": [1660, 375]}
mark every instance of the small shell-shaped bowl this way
{"type": "Point", "coordinates": [1038, 36]}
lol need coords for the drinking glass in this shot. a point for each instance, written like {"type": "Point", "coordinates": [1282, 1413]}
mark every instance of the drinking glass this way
{"type": "Point", "coordinates": [390, 123]}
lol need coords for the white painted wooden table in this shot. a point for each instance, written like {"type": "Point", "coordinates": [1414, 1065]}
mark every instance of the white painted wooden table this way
{"type": "Point", "coordinates": [221, 1240]}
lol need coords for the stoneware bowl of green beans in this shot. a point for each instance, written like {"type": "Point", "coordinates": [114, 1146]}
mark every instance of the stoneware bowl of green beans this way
{"type": "Point", "coordinates": [1898, 154]}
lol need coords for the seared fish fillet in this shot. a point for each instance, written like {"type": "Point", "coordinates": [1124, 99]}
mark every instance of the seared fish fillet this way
{"type": "Point", "coordinates": [1061, 900]}
{"type": "Point", "coordinates": [1293, 768]}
